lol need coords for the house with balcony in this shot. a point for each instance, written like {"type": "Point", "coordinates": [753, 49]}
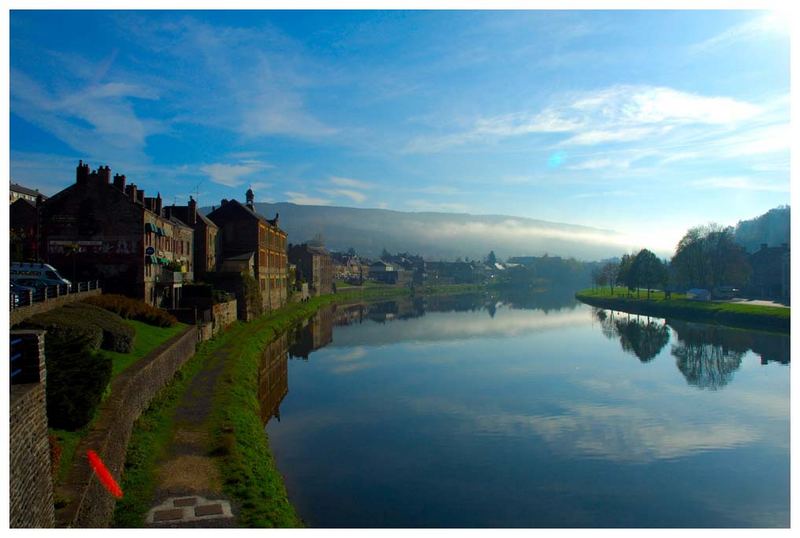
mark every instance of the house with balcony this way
{"type": "Point", "coordinates": [97, 229]}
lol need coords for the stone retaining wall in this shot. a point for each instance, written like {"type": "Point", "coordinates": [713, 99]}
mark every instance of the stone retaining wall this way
{"type": "Point", "coordinates": [31, 485]}
{"type": "Point", "coordinates": [88, 503]}
{"type": "Point", "coordinates": [223, 315]}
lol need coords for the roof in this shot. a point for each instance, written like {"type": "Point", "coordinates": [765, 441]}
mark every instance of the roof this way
{"type": "Point", "coordinates": [251, 212]}
{"type": "Point", "coordinates": [16, 187]}
{"type": "Point", "coordinates": [175, 220]}
{"type": "Point", "coordinates": [240, 257]}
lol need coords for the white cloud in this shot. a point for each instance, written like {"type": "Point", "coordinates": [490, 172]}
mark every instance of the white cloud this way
{"type": "Point", "coordinates": [740, 183]}
{"type": "Point", "coordinates": [304, 199]}
{"type": "Point", "coordinates": [622, 113]}
{"type": "Point", "coordinates": [769, 25]}
{"type": "Point", "coordinates": [353, 195]}
{"type": "Point", "coordinates": [349, 182]}
{"type": "Point", "coordinates": [231, 175]}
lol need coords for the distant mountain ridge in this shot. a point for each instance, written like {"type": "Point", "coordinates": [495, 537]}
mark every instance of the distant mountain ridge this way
{"type": "Point", "coordinates": [440, 236]}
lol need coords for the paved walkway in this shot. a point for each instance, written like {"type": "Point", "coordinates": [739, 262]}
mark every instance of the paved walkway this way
{"type": "Point", "coordinates": [756, 302]}
{"type": "Point", "coordinates": [189, 490]}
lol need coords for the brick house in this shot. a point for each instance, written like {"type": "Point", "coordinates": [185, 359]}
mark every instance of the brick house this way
{"type": "Point", "coordinates": [242, 230]}
{"type": "Point", "coordinates": [206, 241]}
{"type": "Point", "coordinates": [771, 272]}
{"type": "Point", "coordinates": [314, 265]}
{"type": "Point", "coordinates": [96, 229]}
{"type": "Point", "coordinates": [24, 224]}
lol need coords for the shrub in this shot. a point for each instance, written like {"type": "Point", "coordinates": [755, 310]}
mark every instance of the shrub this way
{"type": "Point", "coordinates": [76, 379]}
{"type": "Point", "coordinates": [132, 309]}
{"type": "Point", "coordinates": [76, 374]}
{"type": "Point", "coordinates": [117, 335]}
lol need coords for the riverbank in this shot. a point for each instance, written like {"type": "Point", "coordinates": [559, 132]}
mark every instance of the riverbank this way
{"type": "Point", "coordinates": [233, 442]}
{"type": "Point", "coordinates": [764, 318]}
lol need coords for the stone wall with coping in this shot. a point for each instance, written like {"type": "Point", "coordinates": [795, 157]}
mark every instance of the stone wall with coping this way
{"type": "Point", "coordinates": [31, 484]}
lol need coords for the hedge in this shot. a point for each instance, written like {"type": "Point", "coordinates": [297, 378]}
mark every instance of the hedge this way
{"type": "Point", "coordinates": [117, 335]}
{"type": "Point", "coordinates": [132, 309]}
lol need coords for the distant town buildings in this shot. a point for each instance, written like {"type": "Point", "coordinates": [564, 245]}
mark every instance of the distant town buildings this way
{"type": "Point", "coordinates": [19, 192]}
{"type": "Point", "coordinates": [314, 266]}
{"type": "Point", "coordinates": [771, 270]}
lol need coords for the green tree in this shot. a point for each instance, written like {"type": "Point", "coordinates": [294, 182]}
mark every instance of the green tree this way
{"type": "Point", "coordinates": [649, 270]}
{"type": "Point", "coordinates": [708, 256]}
{"type": "Point", "coordinates": [611, 272]}
{"type": "Point", "coordinates": [627, 273]}
{"type": "Point", "coordinates": [491, 259]}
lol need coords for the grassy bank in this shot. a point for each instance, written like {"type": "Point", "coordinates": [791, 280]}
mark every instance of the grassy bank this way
{"type": "Point", "coordinates": [767, 318]}
{"type": "Point", "coordinates": [147, 339]}
{"type": "Point", "coordinates": [241, 449]}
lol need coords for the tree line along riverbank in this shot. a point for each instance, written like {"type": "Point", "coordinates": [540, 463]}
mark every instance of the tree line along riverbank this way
{"type": "Point", "coordinates": [746, 316]}
{"type": "Point", "coordinates": [237, 446]}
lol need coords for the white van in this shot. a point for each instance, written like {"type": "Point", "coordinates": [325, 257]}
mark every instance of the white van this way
{"type": "Point", "coordinates": [40, 272]}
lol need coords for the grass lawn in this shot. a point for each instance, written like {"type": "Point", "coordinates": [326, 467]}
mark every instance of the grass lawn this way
{"type": "Point", "coordinates": [148, 337]}
{"type": "Point", "coordinates": [769, 318]}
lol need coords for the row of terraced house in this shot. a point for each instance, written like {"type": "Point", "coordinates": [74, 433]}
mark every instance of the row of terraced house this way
{"type": "Point", "coordinates": [104, 228]}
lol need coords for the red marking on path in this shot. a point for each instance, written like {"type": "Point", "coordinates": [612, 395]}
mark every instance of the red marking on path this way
{"type": "Point", "coordinates": [103, 474]}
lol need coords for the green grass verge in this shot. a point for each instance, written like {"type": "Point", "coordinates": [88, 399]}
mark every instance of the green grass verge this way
{"type": "Point", "coordinates": [147, 339]}
{"type": "Point", "coordinates": [767, 318]}
{"type": "Point", "coordinates": [151, 435]}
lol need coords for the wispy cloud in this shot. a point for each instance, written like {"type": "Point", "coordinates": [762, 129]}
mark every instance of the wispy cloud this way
{"type": "Point", "coordinates": [740, 183]}
{"type": "Point", "coordinates": [767, 25]}
{"type": "Point", "coordinates": [349, 182]}
{"type": "Point", "coordinates": [352, 195]}
{"type": "Point", "coordinates": [305, 199]}
{"type": "Point", "coordinates": [98, 120]}
{"type": "Point", "coordinates": [231, 175]}
{"type": "Point", "coordinates": [621, 113]}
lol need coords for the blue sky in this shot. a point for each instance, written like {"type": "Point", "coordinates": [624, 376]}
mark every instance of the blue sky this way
{"type": "Point", "coordinates": [644, 122]}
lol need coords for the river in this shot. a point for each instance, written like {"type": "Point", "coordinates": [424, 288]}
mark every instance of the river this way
{"type": "Point", "coordinates": [538, 411]}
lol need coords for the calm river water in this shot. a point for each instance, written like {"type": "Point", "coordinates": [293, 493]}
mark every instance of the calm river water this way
{"type": "Point", "coordinates": [534, 412]}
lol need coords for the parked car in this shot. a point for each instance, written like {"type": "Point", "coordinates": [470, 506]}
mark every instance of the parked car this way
{"type": "Point", "coordinates": [20, 294]}
{"type": "Point", "coordinates": [37, 271]}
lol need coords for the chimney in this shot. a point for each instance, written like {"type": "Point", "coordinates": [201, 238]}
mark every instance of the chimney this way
{"type": "Point", "coordinates": [140, 197]}
{"type": "Point", "coordinates": [192, 212]}
{"type": "Point", "coordinates": [158, 202]}
{"type": "Point", "coordinates": [276, 219]}
{"type": "Point", "coordinates": [223, 202]}
{"type": "Point", "coordinates": [105, 174]}
{"type": "Point", "coordinates": [250, 197]}
{"type": "Point", "coordinates": [119, 182]}
{"type": "Point", "coordinates": [132, 193]}
{"type": "Point", "coordinates": [81, 173]}
{"type": "Point", "coordinates": [149, 203]}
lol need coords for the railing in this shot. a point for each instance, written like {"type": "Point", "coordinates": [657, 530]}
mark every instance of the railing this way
{"type": "Point", "coordinates": [38, 295]}
{"type": "Point", "coordinates": [16, 357]}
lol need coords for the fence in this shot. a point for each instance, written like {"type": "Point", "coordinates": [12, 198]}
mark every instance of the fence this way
{"type": "Point", "coordinates": [20, 299]}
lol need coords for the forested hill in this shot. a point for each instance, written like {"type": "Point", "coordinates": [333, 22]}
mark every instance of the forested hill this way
{"type": "Point", "coordinates": [772, 228]}
{"type": "Point", "coordinates": [440, 236]}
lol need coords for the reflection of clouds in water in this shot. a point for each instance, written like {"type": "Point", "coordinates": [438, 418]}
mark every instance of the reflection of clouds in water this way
{"type": "Point", "coordinates": [357, 353]}
{"type": "Point", "coordinates": [615, 433]}
{"type": "Point", "coordinates": [437, 327]}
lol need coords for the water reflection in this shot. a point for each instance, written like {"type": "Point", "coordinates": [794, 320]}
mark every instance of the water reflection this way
{"type": "Point", "coordinates": [706, 355]}
{"type": "Point", "coordinates": [433, 413]}
{"type": "Point", "coordinates": [313, 334]}
{"type": "Point", "coordinates": [643, 337]}
{"type": "Point", "coordinates": [273, 378]}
